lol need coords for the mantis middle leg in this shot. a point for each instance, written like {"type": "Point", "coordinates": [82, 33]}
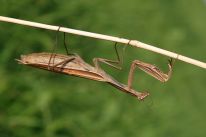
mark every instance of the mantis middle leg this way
{"type": "Point", "coordinates": [112, 63]}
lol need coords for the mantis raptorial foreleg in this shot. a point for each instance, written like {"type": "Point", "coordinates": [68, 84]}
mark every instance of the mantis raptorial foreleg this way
{"type": "Point", "coordinates": [151, 70]}
{"type": "Point", "coordinates": [112, 63]}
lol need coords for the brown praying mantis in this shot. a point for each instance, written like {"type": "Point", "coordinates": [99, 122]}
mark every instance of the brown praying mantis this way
{"type": "Point", "coordinates": [73, 64]}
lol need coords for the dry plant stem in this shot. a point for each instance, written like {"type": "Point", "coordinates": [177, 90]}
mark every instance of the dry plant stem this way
{"type": "Point", "coordinates": [134, 43]}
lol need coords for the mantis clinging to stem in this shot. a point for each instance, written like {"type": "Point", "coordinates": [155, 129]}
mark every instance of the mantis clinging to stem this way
{"type": "Point", "coordinates": [73, 64]}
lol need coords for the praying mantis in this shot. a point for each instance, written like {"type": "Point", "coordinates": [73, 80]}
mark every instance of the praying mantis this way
{"type": "Point", "coordinates": [73, 64]}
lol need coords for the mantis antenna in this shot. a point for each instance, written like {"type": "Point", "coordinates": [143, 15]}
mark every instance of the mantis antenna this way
{"type": "Point", "coordinates": [134, 43]}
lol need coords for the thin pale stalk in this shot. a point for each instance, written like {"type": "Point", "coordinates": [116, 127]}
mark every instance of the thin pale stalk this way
{"type": "Point", "coordinates": [134, 43]}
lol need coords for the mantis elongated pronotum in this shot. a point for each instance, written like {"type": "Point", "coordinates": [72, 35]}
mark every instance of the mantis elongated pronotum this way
{"type": "Point", "coordinates": [73, 64]}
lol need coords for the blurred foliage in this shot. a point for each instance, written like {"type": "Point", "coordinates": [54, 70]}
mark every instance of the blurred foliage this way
{"type": "Point", "coordinates": [39, 103]}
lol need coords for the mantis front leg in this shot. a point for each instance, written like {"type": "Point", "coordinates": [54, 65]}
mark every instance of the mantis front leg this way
{"type": "Point", "coordinates": [152, 70]}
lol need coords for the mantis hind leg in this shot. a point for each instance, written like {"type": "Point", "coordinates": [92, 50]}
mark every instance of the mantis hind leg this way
{"type": "Point", "coordinates": [60, 64]}
{"type": "Point", "coordinates": [113, 63]}
{"type": "Point", "coordinates": [150, 69]}
{"type": "Point", "coordinates": [53, 54]}
{"type": "Point", "coordinates": [65, 46]}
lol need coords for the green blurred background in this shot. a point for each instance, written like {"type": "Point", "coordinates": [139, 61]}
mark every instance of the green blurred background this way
{"type": "Point", "coordinates": [39, 103]}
